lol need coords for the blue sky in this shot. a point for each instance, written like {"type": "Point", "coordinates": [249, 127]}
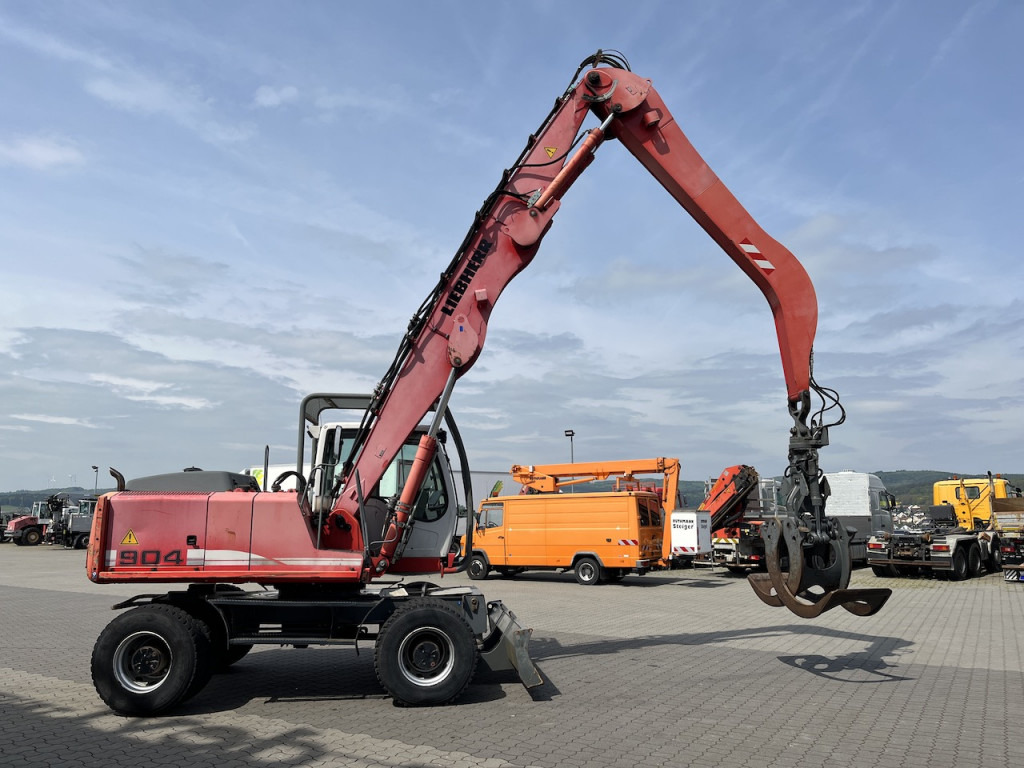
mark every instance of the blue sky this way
{"type": "Point", "coordinates": [208, 210]}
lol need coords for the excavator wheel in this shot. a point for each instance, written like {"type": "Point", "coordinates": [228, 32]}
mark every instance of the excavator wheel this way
{"type": "Point", "coordinates": [426, 653]}
{"type": "Point", "coordinates": [150, 659]}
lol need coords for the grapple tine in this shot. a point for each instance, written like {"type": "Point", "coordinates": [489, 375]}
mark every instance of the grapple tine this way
{"type": "Point", "coordinates": [862, 602]}
{"type": "Point", "coordinates": [762, 584]}
{"type": "Point", "coordinates": [792, 588]}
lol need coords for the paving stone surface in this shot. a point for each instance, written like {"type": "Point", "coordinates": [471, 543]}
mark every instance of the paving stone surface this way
{"type": "Point", "coordinates": [672, 669]}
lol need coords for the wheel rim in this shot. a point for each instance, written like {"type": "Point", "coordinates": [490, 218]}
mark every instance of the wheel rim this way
{"type": "Point", "coordinates": [588, 572]}
{"type": "Point", "coordinates": [476, 566]}
{"type": "Point", "coordinates": [142, 662]}
{"type": "Point", "coordinates": [426, 656]}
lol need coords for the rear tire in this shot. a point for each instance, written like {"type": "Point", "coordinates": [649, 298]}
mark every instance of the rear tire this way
{"type": "Point", "coordinates": [975, 566]}
{"type": "Point", "coordinates": [959, 572]}
{"type": "Point", "coordinates": [150, 659]}
{"type": "Point", "coordinates": [81, 541]}
{"type": "Point", "coordinates": [994, 564]}
{"type": "Point", "coordinates": [587, 571]}
{"type": "Point", "coordinates": [887, 571]}
{"type": "Point", "coordinates": [426, 653]}
{"type": "Point", "coordinates": [223, 655]}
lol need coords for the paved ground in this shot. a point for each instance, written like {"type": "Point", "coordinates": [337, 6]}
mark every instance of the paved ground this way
{"type": "Point", "coordinates": [683, 668]}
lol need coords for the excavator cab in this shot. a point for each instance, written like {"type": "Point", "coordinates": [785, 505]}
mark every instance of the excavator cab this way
{"type": "Point", "coordinates": [434, 516]}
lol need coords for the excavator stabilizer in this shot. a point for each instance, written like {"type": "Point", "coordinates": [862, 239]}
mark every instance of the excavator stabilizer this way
{"type": "Point", "coordinates": [508, 645]}
{"type": "Point", "coordinates": [816, 575]}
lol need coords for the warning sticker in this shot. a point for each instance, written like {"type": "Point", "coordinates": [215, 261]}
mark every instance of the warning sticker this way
{"type": "Point", "coordinates": [552, 151]}
{"type": "Point", "coordinates": [129, 539]}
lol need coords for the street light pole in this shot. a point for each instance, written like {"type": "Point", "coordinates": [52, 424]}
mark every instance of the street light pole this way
{"type": "Point", "coordinates": [96, 479]}
{"type": "Point", "coordinates": [570, 434]}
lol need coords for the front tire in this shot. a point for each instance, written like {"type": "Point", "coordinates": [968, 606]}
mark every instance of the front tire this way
{"type": "Point", "coordinates": [150, 659]}
{"type": "Point", "coordinates": [426, 653]}
{"type": "Point", "coordinates": [31, 537]}
{"type": "Point", "coordinates": [587, 571]}
{"type": "Point", "coordinates": [81, 541]}
{"type": "Point", "coordinates": [478, 567]}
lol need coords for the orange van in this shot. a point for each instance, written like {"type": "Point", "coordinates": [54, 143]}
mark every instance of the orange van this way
{"type": "Point", "coordinates": [598, 536]}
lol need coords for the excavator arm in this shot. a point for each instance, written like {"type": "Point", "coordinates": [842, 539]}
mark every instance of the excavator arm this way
{"type": "Point", "coordinates": [447, 333]}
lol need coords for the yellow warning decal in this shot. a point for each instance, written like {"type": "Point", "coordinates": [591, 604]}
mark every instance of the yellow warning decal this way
{"type": "Point", "coordinates": [552, 151]}
{"type": "Point", "coordinates": [129, 539]}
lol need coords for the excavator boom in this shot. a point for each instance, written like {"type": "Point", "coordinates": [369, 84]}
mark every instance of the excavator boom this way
{"type": "Point", "coordinates": [446, 335]}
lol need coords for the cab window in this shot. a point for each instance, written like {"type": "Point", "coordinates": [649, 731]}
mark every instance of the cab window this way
{"type": "Point", "coordinates": [433, 494]}
{"type": "Point", "coordinates": [491, 515]}
{"type": "Point", "coordinates": [973, 491]}
{"type": "Point", "coordinates": [650, 513]}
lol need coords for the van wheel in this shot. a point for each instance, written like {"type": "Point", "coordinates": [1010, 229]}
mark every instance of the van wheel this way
{"type": "Point", "coordinates": [587, 570]}
{"type": "Point", "coordinates": [478, 567]}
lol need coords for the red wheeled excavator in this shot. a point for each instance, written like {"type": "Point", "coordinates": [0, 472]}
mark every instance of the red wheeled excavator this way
{"type": "Point", "coordinates": [373, 507]}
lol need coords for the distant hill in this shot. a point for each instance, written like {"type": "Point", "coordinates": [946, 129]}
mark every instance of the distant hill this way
{"type": "Point", "coordinates": [915, 486]}
{"type": "Point", "coordinates": [12, 501]}
{"type": "Point", "coordinates": [909, 486]}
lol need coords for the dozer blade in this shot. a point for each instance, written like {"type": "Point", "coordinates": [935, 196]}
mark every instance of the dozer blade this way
{"type": "Point", "coordinates": [824, 567]}
{"type": "Point", "coordinates": [508, 645]}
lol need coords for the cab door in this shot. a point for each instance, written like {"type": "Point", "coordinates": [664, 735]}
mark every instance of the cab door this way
{"type": "Point", "coordinates": [489, 535]}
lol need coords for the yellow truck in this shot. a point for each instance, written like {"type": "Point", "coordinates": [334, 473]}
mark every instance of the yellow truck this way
{"type": "Point", "coordinates": [961, 535]}
{"type": "Point", "coordinates": [598, 536]}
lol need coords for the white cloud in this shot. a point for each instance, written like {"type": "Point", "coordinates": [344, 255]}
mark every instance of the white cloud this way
{"type": "Point", "coordinates": [70, 421]}
{"type": "Point", "coordinates": [269, 96]}
{"type": "Point", "coordinates": [41, 153]}
{"type": "Point", "coordinates": [141, 391]}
